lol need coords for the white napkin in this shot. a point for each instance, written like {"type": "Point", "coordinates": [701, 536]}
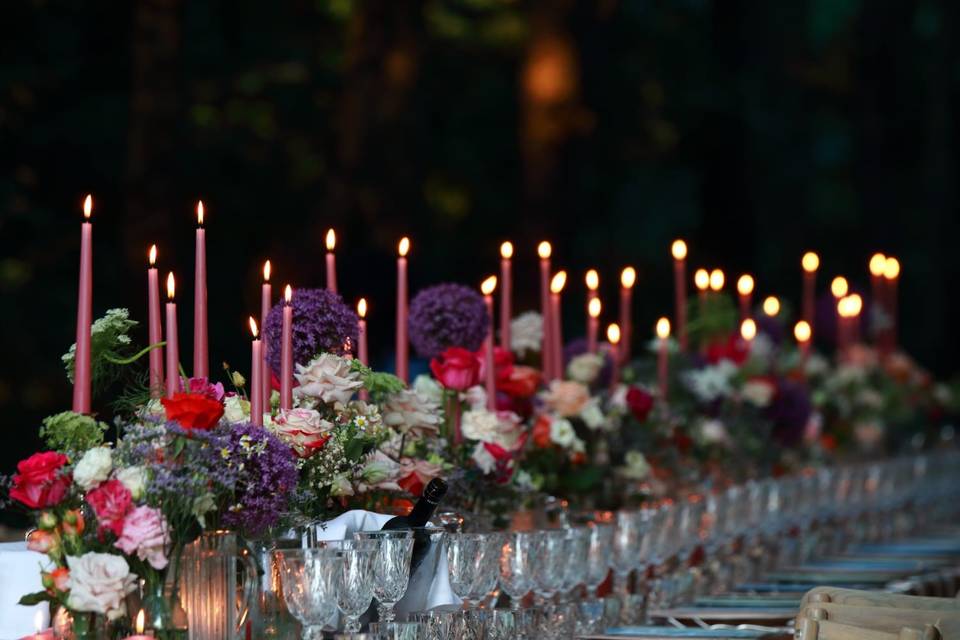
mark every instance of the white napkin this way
{"type": "Point", "coordinates": [20, 571]}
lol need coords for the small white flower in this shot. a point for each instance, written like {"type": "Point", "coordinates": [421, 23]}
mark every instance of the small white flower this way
{"type": "Point", "coordinates": [341, 486]}
{"type": "Point", "coordinates": [759, 393]}
{"type": "Point", "coordinates": [585, 367]}
{"type": "Point", "coordinates": [636, 466]}
{"type": "Point", "coordinates": [592, 416]}
{"type": "Point", "coordinates": [428, 388]}
{"type": "Point", "coordinates": [713, 432]}
{"type": "Point", "coordinates": [134, 479]}
{"type": "Point", "coordinates": [712, 382]}
{"type": "Point", "coordinates": [236, 409]}
{"type": "Point", "coordinates": [562, 432]}
{"type": "Point", "coordinates": [94, 467]}
{"type": "Point", "coordinates": [202, 505]}
{"type": "Point", "coordinates": [483, 459]}
{"type": "Point", "coordinates": [476, 397]}
{"type": "Point", "coordinates": [526, 333]}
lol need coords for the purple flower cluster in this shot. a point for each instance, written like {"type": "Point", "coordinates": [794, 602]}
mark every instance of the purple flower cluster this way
{"type": "Point", "coordinates": [447, 315]}
{"type": "Point", "coordinates": [790, 411]}
{"type": "Point", "coordinates": [321, 323]}
{"type": "Point", "coordinates": [267, 476]}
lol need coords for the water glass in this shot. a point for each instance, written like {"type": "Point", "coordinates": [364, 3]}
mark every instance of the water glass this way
{"type": "Point", "coordinates": [310, 579]}
{"type": "Point", "coordinates": [517, 557]}
{"type": "Point", "coordinates": [391, 567]}
{"type": "Point", "coordinates": [396, 630]}
{"type": "Point", "coordinates": [473, 560]}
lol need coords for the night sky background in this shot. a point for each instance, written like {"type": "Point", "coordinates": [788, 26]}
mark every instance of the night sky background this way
{"type": "Point", "coordinates": [755, 130]}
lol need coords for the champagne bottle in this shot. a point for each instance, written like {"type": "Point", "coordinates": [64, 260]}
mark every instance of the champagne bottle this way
{"type": "Point", "coordinates": [423, 510]}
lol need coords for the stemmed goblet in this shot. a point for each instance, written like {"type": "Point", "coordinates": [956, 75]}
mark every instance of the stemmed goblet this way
{"type": "Point", "coordinates": [391, 567]}
{"type": "Point", "coordinates": [356, 587]}
{"type": "Point", "coordinates": [311, 580]}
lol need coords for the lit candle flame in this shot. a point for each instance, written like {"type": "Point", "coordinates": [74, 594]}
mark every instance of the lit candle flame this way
{"type": "Point", "coordinates": [38, 621]}
{"type": "Point", "coordinates": [404, 247]}
{"type": "Point", "coordinates": [701, 279]}
{"type": "Point", "coordinates": [839, 287]}
{"type": "Point", "coordinates": [678, 249]}
{"type": "Point", "coordinates": [253, 327]}
{"type": "Point", "coordinates": [331, 240]}
{"type": "Point", "coordinates": [487, 286]}
{"type": "Point", "coordinates": [152, 257]}
{"type": "Point", "coordinates": [891, 268]}
{"type": "Point", "coordinates": [592, 279]}
{"type": "Point", "coordinates": [362, 308]}
{"type": "Point", "coordinates": [544, 249]}
{"type": "Point", "coordinates": [810, 262]}
{"type": "Point", "coordinates": [877, 263]}
{"type": "Point", "coordinates": [506, 250]}
{"type": "Point", "coordinates": [288, 294]}
{"type": "Point", "coordinates": [856, 304]}
{"type": "Point", "coordinates": [594, 307]}
{"type": "Point", "coordinates": [748, 329]}
{"type": "Point", "coordinates": [171, 286]}
{"type": "Point", "coordinates": [771, 306]}
{"type": "Point", "coordinates": [558, 282]}
{"type": "Point", "coordinates": [613, 334]}
{"type": "Point", "coordinates": [266, 271]}
{"type": "Point", "coordinates": [628, 277]}
{"type": "Point", "coordinates": [140, 622]}
{"type": "Point", "coordinates": [745, 284]}
{"type": "Point", "coordinates": [843, 307]}
{"type": "Point", "coordinates": [663, 328]}
{"type": "Point", "coordinates": [716, 280]}
{"type": "Point", "coordinates": [87, 206]}
{"type": "Point", "coordinates": [200, 213]}
{"type": "Point", "coordinates": [801, 331]}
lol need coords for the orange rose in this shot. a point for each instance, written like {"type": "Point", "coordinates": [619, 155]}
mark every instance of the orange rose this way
{"type": "Point", "coordinates": [541, 431]}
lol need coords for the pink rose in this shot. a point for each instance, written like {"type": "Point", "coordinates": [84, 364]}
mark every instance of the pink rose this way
{"type": "Point", "coordinates": [303, 429]}
{"type": "Point", "coordinates": [456, 368]}
{"type": "Point", "coordinates": [146, 534]}
{"type": "Point", "coordinates": [110, 501]}
{"type": "Point", "coordinates": [415, 474]}
{"type": "Point", "coordinates": [567, 398]}
{"type": "Point", "coordinates": [41, 541]}
{"type": "Point", "coordinates": [203, 387]}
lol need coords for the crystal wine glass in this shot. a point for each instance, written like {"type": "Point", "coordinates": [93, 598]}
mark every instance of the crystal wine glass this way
{"type": "Point", "coordinates": [311, 580]}
{"type": "Point", "coordinates": [599, 556]}
{"type": "Point", "coordinates": [391, 567]}
{"type": "Point", "coordinates": [356, 588]}
{"type": "Point", "coordinates": [517, 557]}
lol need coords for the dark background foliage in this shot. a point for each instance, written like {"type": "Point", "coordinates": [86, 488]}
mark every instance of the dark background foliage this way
{"type": "Point", "coordinates": [756, 130]}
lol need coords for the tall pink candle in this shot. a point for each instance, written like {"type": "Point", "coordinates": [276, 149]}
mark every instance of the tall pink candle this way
{"type": "Point", "coordinates": [877, 264]}
{"type": "Point", "coordinates": [745, 295]}
{"type": "Point", "coordinates": [802, 332]}
{"type": "Point", "coordinates": [489, 369]}
{"type": "Point", "coordinates": [286, 352]}
{"type": "Point", "coordinates": [679, 251]}
{"type": "Point", "coordinates": [613, 338]}
{"type": "Point", "coordinates": [891, 274]}
{"type": "Point", "coordinates": [663, 340]}
{"type": "Point", "coordinates": [556, 331]}
{"type": "Point", "coordinates": [506, 293]}
{"type": "Point", "coordinates": [155, 328]}
{"type": "Point", "coordinates": [81, 362]}
{"type": "Point", "coordinates": [362, 354]}
{"type": "Point", "coordinates": [256, 376]}
{"type": "Point", "coordinates": [201, 360]}
{"type": "Point", "coordinates": [266, 303]}
{"type": "Point", "coordinates": [544, 250]}
{"type": "Point", "coordinates": [810, 264]}
{"type": "Point", "coordinates": [331, 261]}
{"type": "Point", "coordinates": [593, 323]}
{"type": "Point", "coordinates": [173, 345]}
{"type": "Point", "coordinates": [403, 343]}
{"type": "Point", "coordinates": [627, 279]}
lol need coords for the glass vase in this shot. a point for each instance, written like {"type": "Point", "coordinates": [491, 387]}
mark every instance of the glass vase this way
{"type": "Point", "coordinates": [89, 626]}
{"type": "Point", "coordinates": [164, 615]}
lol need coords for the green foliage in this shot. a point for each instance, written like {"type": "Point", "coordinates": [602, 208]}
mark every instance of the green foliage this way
{"type": "Point", "coordinates": [72, 433]}
{"type": "Point", "coordinates": [377, 383]}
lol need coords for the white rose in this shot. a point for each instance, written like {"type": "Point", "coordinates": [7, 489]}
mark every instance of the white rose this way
{"type": "Point", "coordinates": [585, 367]}
{"type": "Point", "coordinates": [476, 397]}
{"type": "Point", "coordinates": [134, 479]}
{"type": "Point", "coordinates": [759, 393]}
{"type": "Point", "coordinates": [713, 432]}
{"type": "Point", "coordinates": [592, 416]}
{"type": "Point", "coordinates": [411, 410]}
{"type": "Point", "coordinates": [562, 432]}
{"type": "Point", "coordinates": [713, 381]}
{"type": "Point", "coordinates": [429, 388]}
{"type": "Point", "coordinates": [479, 424]}
{"type": "Point", "coordinates": [99, 583]}
{"type": "Point", "coordinates": [329, 378]}
{"type": "Point", "coordinates": [636, 467]}
{"type": "Point", "coordinates": [526, 333]}
{"type": "Point", "coordinates": [483, 459]}
{"type": "Point", "coordinates": [202, 505]}
{"type": "Point", "coordinates": [236, 409]}
{"type": "Point", "coordinates": [94, 467]}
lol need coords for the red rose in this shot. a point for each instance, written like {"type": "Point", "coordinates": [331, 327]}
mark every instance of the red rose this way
{"type": "Point", "coordinates": [502, 362]}
{"type": "Point", "coordinates": [640, 403]}
{"type": "Point", "coordinates": [541, 431]}
{"type": "Point", "coordinates": [522, 382]}
{"type": "Point", "coordinates": [456, 368]}
{"type": "Point", "coordinates": [38, 483]}
{"type": "Point", "coordinates": [733, 349]}
{"type": "Point", "coordinates": [193, 411]}
{"type": "Point", "coordinates": [110, 501]}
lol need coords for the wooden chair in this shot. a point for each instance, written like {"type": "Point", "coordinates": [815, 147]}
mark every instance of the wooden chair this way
{"type": "Point", "coordinates": [884, 619]}
{"type": "Point", "coordinates": [878, 599]}
{"type": "Point", "coordinates": [810, 629]}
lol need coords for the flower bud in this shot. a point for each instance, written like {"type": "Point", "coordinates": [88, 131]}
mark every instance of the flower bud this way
{"type": "Point", "coordinates": [48, 520]}
{"type": "Point", "coordinates": [238, 379]}
{"type": "Point", "coordinates": [47, 580]}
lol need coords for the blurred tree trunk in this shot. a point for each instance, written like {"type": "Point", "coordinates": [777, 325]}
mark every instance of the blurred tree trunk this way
{"type": "Point", "coordinates": [154, 120]}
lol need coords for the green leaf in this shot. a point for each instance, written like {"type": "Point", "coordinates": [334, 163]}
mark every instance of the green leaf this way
{"type": "Point", "coordinates": [35, 598]}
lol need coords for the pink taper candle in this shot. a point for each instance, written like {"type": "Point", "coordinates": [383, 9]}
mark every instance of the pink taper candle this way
{"type": "Point", "coordinates": [628, 277]}
{"type": "Point", "coordinates": [489, 370]}
{"type": "Point", "coordinates": [266, 303]}
{"type": "Point", "coordinates": [362, 354]}
{"type": "Point", "coordinates": [891, 274]}
{"type": "Point", "coordinates": [802, 332]}
{"type": "Point", "coordinates": [878, 263]}
{"type": "Point", "coordinates": [506, 293]}
{"type": "Point", "coordinates": [679, 251]}
{"type": "Point", "coordinates": [81, 362]}
{"type": "Point", "coordinates": [613, 338]}
{"type": "Point", "coordinates": [155, 328]}
{"type": "Point", "coordinates": [544, 250]}
{"type": "Point", "coordinates": [556, 331]}
{"type": "Point", "coordinates": [593, 323]}
{"type": "Point", "coordinates": [286, 352]}
{"type": "Point", "coordinates": [173, 345]}
{"type": "Point", "coordinates": [201, 360]}
{"type": "Point", "coordinates": [256, 376]}
{"type": "Point", "coordinates": [745, 295]}
{"type": "Point", "coordinates": [403, 343]}
{"type": "Point", "coordinates": [331, 261]}
{"type": "Point", "coordinates": [592, 280]}
{"type": "Point", "coordinates": [810, 264]}
{"type": "Point", "coordinates": [663, 343]}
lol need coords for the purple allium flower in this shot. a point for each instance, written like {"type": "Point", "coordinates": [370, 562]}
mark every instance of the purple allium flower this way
{"type": "Point", "coordinates": [267, 476]}
{"type": "Point", "coordinates": [321, 322]}
{"type": "Point", "coordinates": [790, 412]}
{"type": "Point", "coordinates": [447, 315]}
